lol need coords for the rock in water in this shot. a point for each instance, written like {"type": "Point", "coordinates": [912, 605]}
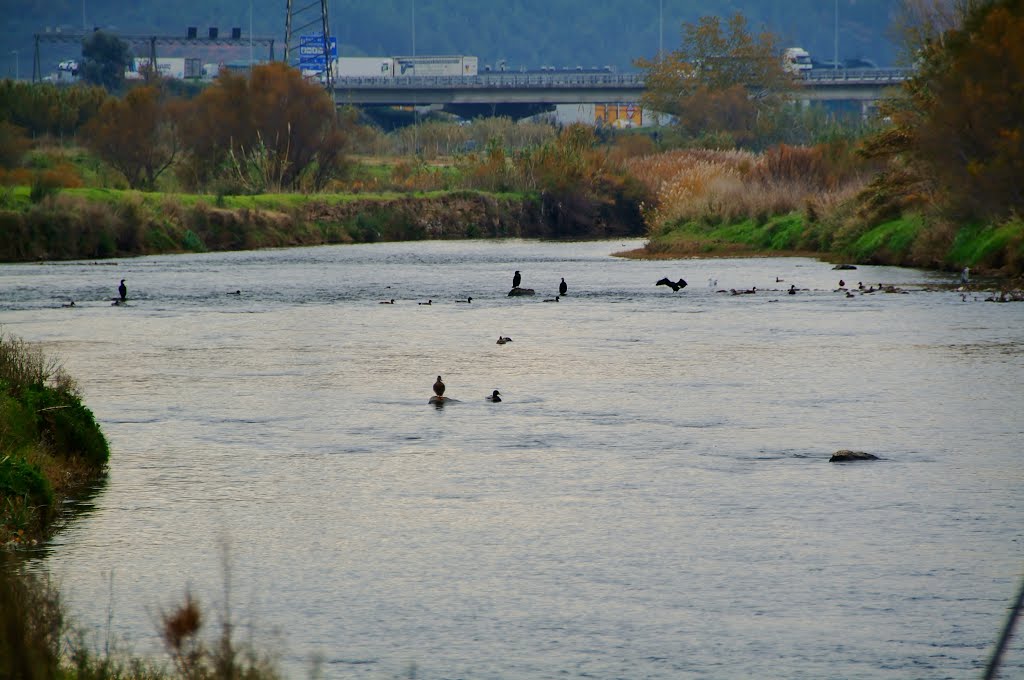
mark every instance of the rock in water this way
{"type": "Point", "coordinates": [846, 455]}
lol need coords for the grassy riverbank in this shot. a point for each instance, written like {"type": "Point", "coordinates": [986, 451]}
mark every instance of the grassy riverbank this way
{"type": "Point", "coordinates": [804, 201]}
{"type": "Point", "coordinates": [51, 447]}
{"type": "Point", "coordinates": [996, 250]}
{"type": "Point", "coordinates": [100, 223]}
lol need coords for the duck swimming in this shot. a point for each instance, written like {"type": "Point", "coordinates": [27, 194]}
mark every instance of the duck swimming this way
{"type": "Point", "coordinates": [468, 300]}
{"type": "Point", "coordinates": [493, 396]}
{"type": "Point", "coordinates": [426, 303]}
{"type": "Point", "coordinates": [387, 302]}
{"type": "Point", "coordinates": [554, 299]}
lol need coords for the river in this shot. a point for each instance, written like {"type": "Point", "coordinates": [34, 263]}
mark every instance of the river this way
{"type": "Point", "coordinates": [652, 499]}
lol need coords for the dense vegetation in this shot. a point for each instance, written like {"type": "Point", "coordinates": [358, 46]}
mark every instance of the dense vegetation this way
{"type": "Point", "coordinates": [937, 186]}
{"type": "Point", "coordinates": [50, 444]}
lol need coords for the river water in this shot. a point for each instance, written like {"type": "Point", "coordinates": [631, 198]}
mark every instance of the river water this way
{"type": "Point", "coordinates": [652, 499]}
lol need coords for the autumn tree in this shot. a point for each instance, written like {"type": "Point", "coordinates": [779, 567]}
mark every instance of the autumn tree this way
{"type": "Point", "coordinates": [721, 79]}
{"type": "Point", "coordinates": [960, 127]}
{"type": "Point", "coordinates": [136, 135]}
{"type": "Point", "coordinates": [273, 130]}
{"type": "Point", "coordinates": [104, 60]}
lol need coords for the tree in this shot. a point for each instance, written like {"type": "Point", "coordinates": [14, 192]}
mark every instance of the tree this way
{"type": "Point", "coordinates": [104, 60]}
{"type": "Point", "coordinates": [136, 135]}
{"type": "Point", "coordinates": [273, 130]}
{"type": "Point", "coordinates": [960, 127]}
{"type": "Point", "coordinates": [720, 79]}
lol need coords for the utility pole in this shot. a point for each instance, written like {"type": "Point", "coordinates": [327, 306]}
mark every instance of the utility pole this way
{"type": "Point", "coordinates": [309, 19]}
{"type": "Point", "coordinates": [835, 35]}
{"type": "Point", "coordinates": [661, 28]}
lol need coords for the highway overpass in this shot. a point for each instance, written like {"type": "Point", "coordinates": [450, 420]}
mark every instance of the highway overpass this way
{"type": "Point", "coordinates": [537, 91]}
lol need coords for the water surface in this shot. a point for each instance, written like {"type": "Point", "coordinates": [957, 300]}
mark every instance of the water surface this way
{"type": "Point", "coordinates": [652, 499]}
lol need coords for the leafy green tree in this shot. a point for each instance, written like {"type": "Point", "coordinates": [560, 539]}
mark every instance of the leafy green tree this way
{"type": "Point", "coordinates": [721, 79]}
{"type": "Point", "coordinates": [43, 108]}
{"type": "Point", "coordinates": [136, 135]}
{"type": "Point", "coordinates": [104, 59]}
{"type": "Point", "coordinates": [960, 128]}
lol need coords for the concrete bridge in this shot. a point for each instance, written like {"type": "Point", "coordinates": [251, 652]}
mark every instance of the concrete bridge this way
{"type": "Point", "coordinates": [534, 92]}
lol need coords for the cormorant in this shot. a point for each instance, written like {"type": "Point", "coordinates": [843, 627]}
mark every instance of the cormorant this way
{"type": "Point", "coordinates": [123, 290]}
{"type": "Point", "coordinates": [562, 287]}
{"type": "Point", "coordinates": [387, 302]}
{"type": "Point", "coordinates": [517, 279]}
{"type": "Point", "coordinates": [674, 285]}
{"type": "Point", "coordinates": [439, 387]}
{"type": "Point", "coordinates": [426, 303]}
{"type": "Point", "coordinates": [468, 300]}
{"type": "Point", "coordinates": [494, 396]}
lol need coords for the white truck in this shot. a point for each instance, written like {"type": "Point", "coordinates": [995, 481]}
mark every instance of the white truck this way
{"type": "Point", "coordinates": [364, 67]}
{"type": "Point", "coordinates": [177, 68]}
{"type": "Point", "coordinates": [796, 60]}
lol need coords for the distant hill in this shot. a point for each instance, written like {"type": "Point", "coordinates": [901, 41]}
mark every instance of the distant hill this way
{"type": "Point", "coordinates": [528, 33]}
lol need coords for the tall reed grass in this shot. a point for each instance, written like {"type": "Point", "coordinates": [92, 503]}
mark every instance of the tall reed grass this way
{"type": "Point", "coordinates": [732, 185]}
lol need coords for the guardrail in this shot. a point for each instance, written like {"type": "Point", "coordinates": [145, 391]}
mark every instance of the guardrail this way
{"type": "Point", "coordinates": [506, 81]}
{"type": "Point", "coordinates": [856, 75]}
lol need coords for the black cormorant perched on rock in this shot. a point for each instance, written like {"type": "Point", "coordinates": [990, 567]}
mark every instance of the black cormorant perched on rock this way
{"type": "Point", "coordinates": [562, 287]}
{"type": "Point", "coordinates": [493, 396]}
{"type": "Point", "coordinates": [517, 278]}
{"type": "Point", "coordinates": [123, 290]}
{"type": "Point", "coordinates": [439, 387]}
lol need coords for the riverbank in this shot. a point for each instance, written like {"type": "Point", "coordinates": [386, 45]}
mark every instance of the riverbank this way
{"type": "Point", "coordinates": [51, 448]}
{"type": "Point", "coordinates": [101, 223]}
{"type": "Point", "coordinates": [908, 241]}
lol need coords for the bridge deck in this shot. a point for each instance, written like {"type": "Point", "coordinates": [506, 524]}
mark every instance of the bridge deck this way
{"type": "Point", "coordinates": [572, 87]}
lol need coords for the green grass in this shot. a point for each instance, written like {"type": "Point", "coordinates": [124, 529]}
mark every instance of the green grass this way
{"type": "Point", "coordinates": [890, 241]}
{"type": "Point", "coordinates": [782, 234]}
{"type": "Point", "coordinates": [988, 245]}
{"type": "Point", "coordinates": [49, 441]}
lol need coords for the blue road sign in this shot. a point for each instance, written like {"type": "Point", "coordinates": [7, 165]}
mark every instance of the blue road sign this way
{"type": "Point", "coordinates": [313, 45]}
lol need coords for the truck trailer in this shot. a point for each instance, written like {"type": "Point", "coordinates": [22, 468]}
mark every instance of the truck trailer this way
{"type": "Point", "coordinates": [445, 65]}
{"type": "Point", "coordinates": [364, 67]}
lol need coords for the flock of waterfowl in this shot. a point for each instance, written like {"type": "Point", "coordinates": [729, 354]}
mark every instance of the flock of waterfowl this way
{"type": "Point", "coordinates": [517, 290]}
